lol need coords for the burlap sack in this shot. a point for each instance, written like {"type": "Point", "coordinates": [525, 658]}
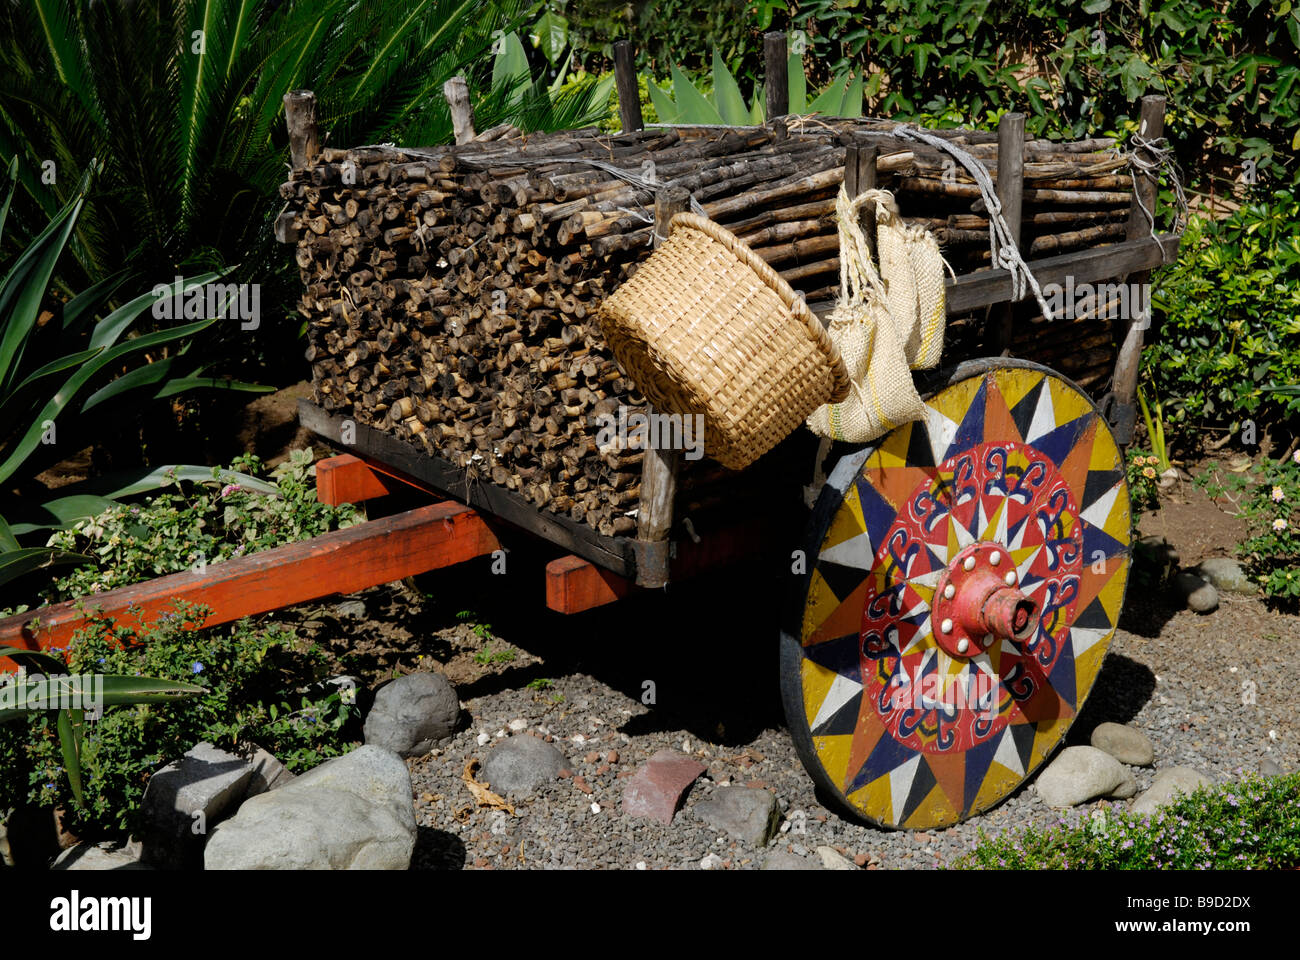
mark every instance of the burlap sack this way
{"type": "Point", "coordinates": [883, 328]}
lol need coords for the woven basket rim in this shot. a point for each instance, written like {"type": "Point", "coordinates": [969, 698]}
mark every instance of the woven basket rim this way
{"type": "Point", "coordinates": [797, 305]}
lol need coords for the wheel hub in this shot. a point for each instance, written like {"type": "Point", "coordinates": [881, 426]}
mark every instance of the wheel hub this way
{"type": "Point", "coordinates": [977, 602]}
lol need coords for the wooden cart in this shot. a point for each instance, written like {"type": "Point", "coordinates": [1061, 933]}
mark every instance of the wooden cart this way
{"type": "Point", "coordinates": [952, 592]}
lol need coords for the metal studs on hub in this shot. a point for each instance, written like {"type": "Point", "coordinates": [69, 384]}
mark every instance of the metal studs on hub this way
{"type": "Point", "coordinates": [963, 645]}
{"type": "Point", "coordinates": [1010, 578]}
{"type": "Point", "coordinates": [946, 626]}
{"type": "Point", "coordinates": [949, 592]}
{"type": "Point", "coordinates": [968, 563]}
{"type": "Point", "coordinates": [995, 558]}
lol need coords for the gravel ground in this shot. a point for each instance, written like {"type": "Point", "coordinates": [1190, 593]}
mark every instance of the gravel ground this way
{"type": "Point", "coordinates": [1178, 676]}
{"type": "Point", "coordinates": [708, 654]}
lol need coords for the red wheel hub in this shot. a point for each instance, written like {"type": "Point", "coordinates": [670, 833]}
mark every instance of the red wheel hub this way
{"type": "Point", "coordinates": [978, 602]}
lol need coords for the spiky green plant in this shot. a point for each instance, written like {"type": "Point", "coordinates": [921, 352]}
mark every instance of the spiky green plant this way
{"type": "Point", "coordinates": [54, 689]}
{"type": "Point", "coordinates": [724, 103]}
{"type": "Point", "coordinates": [182, 102]}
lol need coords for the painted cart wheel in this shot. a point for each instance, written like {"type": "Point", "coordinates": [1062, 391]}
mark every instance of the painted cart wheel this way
{"type": "Point", "coordinates": [964, 578]}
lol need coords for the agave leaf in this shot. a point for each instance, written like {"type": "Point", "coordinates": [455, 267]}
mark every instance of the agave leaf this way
{"type": "Point", "coordinates": [108, 330]}
{"type": "Point", "coordinates": [17, 563]}
{"type": "Point", "coordinates": [144, 376]}
{"type": "Point", "coordinates": [55, 405]}
{"type": "Point", "coordinates": [13, 185]}
{"type": "Point", "coordinates": [798, 84]}
{"type": "Point", "coordinates": [664, 105]}
{"type": "Point", "coordinates": [70, 747]}
{"type": "Point", "coordinates": [106, 690]}
{"type": "Point", "coordinates": [78, 311]}
{"type": "Point", "coordinates": [45, 662]}
{"type": "Point", "coordinates": [726, 94]}
{"type": "Point", "coordinates": [758, 110]}
{"type": "Point", "coordinates": [63, 512]}
{"type": "Point", "coordinates": [127, 483]}
{"type": "Point", "coordinates": [692, 106]}
{"type": "Point", "coordinates": [830, 100]}
{"type": "Point", "coordinates": [851, 105]}
{"type": "Point", "coordinates": [181, 384]}
{"type": "Point", "coordinates": [510, 68]}
{"type": "Point", "coordinates": [7, 539]}
{"type": "Point", "coordinates": [34, 266]}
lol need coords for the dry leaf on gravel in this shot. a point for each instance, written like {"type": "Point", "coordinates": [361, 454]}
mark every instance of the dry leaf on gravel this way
{"type": "Point", "coordinates": [484, 797]}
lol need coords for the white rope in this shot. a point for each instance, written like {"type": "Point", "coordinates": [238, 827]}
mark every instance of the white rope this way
{"type": "Point", "coordinates": [1162, 160]}
{"type": "Point", "coordinates": [1003, 251]}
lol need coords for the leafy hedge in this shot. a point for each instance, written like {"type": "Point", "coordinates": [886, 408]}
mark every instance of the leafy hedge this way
{"type": "Point", "coordinates": [1251, 825]}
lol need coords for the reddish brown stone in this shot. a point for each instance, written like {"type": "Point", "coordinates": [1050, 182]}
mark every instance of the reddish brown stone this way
{"type": "Point", "coordinates": [611, 757]}
{"type": "Point", "coordinates": [860, 860]}
{"type": "Point", "coordinates": [656, 789]}
{"type": "Point", "coordinates": [602, 769]}
{"type": "Point", "coordinates": [592, 757]}
{"type": "Point", "coordinates": [581, 784]}
{"type": "Point", "coordinates": [565, 774]}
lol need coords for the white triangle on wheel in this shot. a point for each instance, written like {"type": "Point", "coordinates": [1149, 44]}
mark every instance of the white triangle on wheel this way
{"type": "Point", "coordinates": [1082, 638]}
{"type": "Point", "coordinates": [941, 432]}
{"type": "Point", "coordinates": [1099, 512]}
{"type": "Point", "coordinates": [900, 785]}
{"type": "Point", "coordinates": [1007, 754]}
{"type": "Point", "coordinates": [1044, 421]}
{"type": "Point", "coordinates": [853, 552]}
{"type": "Point", "coordinates": [843, 689]}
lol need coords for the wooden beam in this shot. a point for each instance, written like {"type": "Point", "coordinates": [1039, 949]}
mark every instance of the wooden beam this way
{"type": "Point", "coordinates": [342, 561]}
{"type": "Point", "coordinates": [654, 518]}
{"type": "Point", "coordinates": [1145, 189]}
{"type": "Point", "coordinates": [456, 92]}
{"type": "Point", "coordinates": [304, 135]}
{"type": "Point", "coordinates": [1010, 190]}
{"type": "Point", "coordinates": [776, 69]}
{"type": "Point", "coordinates": [629, 96]}
{"type": "Point", "coordinates": [349, 479]}
{"type": "Point", "coordinates": [860, 176]}
{"type": "Point", "coordinates": [574, 585]}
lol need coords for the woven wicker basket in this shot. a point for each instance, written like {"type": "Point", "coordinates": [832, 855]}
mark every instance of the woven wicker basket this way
{"type": "Point", "coordinates": [705, 326]}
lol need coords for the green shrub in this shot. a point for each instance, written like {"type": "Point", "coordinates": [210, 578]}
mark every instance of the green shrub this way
{"type": "Point", "coordinates": [1227, 332]}
{"type": "Point", "coordinates": [1267, 496]}
{"type": "Point", "coordinates": [1251, 825]}
{"type": "Point", "coordinates": [203, 522]}
{"type": "Point", "coordinates": [252, 674]}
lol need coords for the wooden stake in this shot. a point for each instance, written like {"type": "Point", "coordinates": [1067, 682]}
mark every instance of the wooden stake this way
{"type": "Point", "coordinates": [629, 97]}
{"type": "Point", "coordinates": [860, 176]}
{"type": "Point", "coordinates": [659, 471]}
{"type": "Point", "coordinates": [304, 135]}
{"type": "Point", "coordinates": [456, 93]}
{"type": "Point", "coordinates": [1124, 387]}
{"type": "Point", "coordinates": [1010, 190]}
{"type": "Point", "coordinates": [776, 62]}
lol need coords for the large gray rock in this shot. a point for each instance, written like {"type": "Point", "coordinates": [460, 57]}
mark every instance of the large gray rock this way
{"type": "Point", "coordinates": [184, 800]}
{"type": "Point", "coordinates": [1226, 575]}
{"type": "Point", "coordinates": [832, 859]}
{"type": "Point", "coordinates": [1269, 767]}
{"type": "Point", "coordinates": [1077, 775]}
{"type": "Point", "coordinates": [1125, 744]}
{"type": "Point", "coordinates": [351, 813]}
{"type": "Point", "coordinates": [413, 713]}
{"type": "Point", "coordinates": [1168, 783]}
{"type": "Point", "coordinates": [750, 815]}
{"type": "Point", "coordinates": [1198, 594]}
{"type": "Point", "coordinates": [268, 772]}
{"type": "Point", "coordinates": [101, 856]}
{"type": "Point", "coordinates": [519, 765]}
{"type": "Point", "coordinates": [1127, 788]}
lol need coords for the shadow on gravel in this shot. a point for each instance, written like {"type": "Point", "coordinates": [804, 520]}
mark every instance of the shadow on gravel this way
{"type": "Point", "coordinates": [704, 651]}
{"type": "Point", "coordinates": [437, 850]}
{"type": "Point", "coordinates": [1121, 690]}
